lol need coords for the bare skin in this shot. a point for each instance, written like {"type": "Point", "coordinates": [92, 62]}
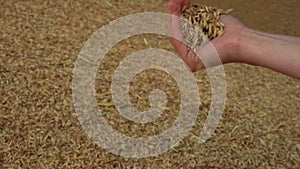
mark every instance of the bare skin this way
{"type": "Point", "coordinates": [240, 44]}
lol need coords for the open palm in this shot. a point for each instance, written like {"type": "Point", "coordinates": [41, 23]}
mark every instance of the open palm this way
{"type": "Point", "coordinates": [225, 44]}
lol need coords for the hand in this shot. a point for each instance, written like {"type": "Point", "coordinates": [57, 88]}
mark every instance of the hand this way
{"type": "Point", "coordinates": [227, 45]}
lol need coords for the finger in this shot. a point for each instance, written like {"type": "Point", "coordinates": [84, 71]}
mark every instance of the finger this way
{"type": "Point", "coordinates": [186, 3]}
{"type": "Point", "coordinates": [193, 61]}
{"type": "Point", "coordinates": [180, 48]}
{"type": "Point", "coordinates": [176, 33]}
{"type": "Point", "coordinates": [177, 37]}
{"type": "Point", "coordinates": [174, 7]}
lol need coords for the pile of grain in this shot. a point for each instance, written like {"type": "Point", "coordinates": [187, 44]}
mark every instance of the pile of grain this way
{"type": "Point", "coordinates": [201, 23]}
{"type": "Point", "coordinates": [40, 43]}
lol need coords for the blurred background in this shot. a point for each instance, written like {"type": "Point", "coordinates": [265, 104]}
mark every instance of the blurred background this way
{"type": "Point", "coordinates": [40, 42]}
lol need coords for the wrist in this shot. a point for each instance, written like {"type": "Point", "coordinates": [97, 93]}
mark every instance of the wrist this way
{"type": "Point", "coordinates": [235, 45]}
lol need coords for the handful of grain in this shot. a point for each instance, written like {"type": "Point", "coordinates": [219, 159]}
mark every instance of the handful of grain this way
{"type": "Point", "coordinates": [203, 24]}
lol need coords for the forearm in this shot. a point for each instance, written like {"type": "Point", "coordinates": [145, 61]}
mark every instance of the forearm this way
{"type": "Point", "coordinates": [276, 52]}
{"type": "Point", "coordinates": [280, 37]}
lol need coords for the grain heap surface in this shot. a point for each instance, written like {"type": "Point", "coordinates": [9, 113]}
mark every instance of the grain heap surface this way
{"type": "Point", "coordinates": [39, 44]}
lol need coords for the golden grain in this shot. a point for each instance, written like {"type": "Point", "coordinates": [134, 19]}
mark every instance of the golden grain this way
{"type": "Point", "coordinates": [203, 24]}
